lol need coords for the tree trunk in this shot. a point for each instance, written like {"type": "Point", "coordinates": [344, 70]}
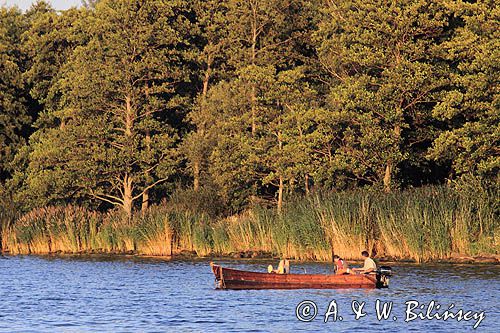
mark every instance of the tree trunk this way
{"type": "Point", "coordinates": [127, 179]}
{"type": "Point", "coordinates": [280, 195]}
{"type": "Point", "coordinates": [307, 184]}
{"type": "Point", "coordinates": [389, 168]}
{"type": "Point", "coordinates": [253, 99]}
{"type": "Point", "coordinates": [281, 185]}
{"type": "Point", "coordinates": [129, 116]}
{"type": "Point", "coordinates": [201, 129]}
{"type": "Point", "coordinates": [291, 183]}
{"type": "Point", "coordinates": [388, 177]}
{"type": "Point", "coordinates": [127, 195]}
{"type": "Point", "coordinates": [145, 202]}
{"type": "Point", "coordinates": [196, 174]}
{"type": "Point", "coordinates": [206, 79]}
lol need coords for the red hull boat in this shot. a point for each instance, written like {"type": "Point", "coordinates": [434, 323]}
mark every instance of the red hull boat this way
{"type": "Point", "coordinates": [227, 278]}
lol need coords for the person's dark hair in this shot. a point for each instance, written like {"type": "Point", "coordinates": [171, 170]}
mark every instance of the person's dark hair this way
{"type": "Point", "coordinates": [365, 254]}
{"type": "Point", "coordinates": [336, 257]}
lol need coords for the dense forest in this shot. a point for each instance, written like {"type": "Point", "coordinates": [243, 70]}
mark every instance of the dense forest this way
{"type": "Point", "coordinates": [224, 106]}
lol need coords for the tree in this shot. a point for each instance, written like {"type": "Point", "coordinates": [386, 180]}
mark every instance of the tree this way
{"type": "Point", "coordinates": [262, 34]}
{"type": "Point", "coordinates": [383, 62]}
{"type": "Point", "coordinates": [90, 4]}
{"type": "Point", "coordinates": [110, 138]}
{"type": "Point", "coordinates": [48, 43]}
{"type": "Point", "coordinates": [14, 113]}
{"type": "Point", "coordinates": [265, 39]}
{"type": "Point", "coordinates": [211, 57]}
{"type": "Point", "coordinates": [289, 120]}
{"type": "Point", "coordinates": [471, 106]}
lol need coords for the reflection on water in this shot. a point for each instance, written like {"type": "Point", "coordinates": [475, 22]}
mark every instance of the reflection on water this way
{"type": "Point", "coordinates": [117, 294]}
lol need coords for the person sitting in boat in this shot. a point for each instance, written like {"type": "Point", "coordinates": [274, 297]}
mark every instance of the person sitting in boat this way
{"type": "Point", "coordinates": [283, 267]}
{"type": "Point", "coordinates": [340, 265]}
{"type": "Point", "coordinates": [369, 265]}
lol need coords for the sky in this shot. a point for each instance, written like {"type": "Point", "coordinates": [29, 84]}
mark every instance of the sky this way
{"type": "Point", "coordinates": [57, 4]}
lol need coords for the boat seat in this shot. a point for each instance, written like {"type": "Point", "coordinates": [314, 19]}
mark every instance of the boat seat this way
{"type": "Point", "coordinates": [283, 267]}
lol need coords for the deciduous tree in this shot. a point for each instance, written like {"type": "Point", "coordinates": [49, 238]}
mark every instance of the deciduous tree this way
{"type": "Point", "coordinates": [383, 60]}
{"type": "Point", "coordinates": [471, 107]}
{"type": "Point", "coordinates": [14, 115]}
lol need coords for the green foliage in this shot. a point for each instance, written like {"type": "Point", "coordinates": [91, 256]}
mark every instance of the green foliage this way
{"type": "Point", "coordinates": [204, 201]}
{"type": "Point", "coordinates": [471, 105]}
{"type": "Point", "coordinates": [14, 116]}
{"type": "Point", "coordinates": [109, 137]}
{"type": "Point", "coordinates": [48, 42]}
{"type": "Point", "coordinates": [251, 103]}
{"type": "Point", "coordinates": [383, 59]}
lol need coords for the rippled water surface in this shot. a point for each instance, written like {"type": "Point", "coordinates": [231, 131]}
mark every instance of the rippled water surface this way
{"type": "Point", "coordinates": [99, 294]}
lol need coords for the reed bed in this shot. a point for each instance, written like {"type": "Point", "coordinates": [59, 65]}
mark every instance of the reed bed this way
{"type": "Point", "coordinates": [7, 218]}
{"type": "Point", "coordinates": [421, 224]}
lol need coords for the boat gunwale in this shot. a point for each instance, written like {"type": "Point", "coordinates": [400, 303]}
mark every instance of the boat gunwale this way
{"type": "Point", "coordinates": [240, 279]}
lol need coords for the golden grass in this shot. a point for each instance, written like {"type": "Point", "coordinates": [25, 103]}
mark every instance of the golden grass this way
{"type": "Point", "coordinates": [424, 224]}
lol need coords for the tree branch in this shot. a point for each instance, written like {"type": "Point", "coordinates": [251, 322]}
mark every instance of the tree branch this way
{"type": "Point", "coordinates": [149, 187]}
{"type": "Point", "coordinates": [107, 198]}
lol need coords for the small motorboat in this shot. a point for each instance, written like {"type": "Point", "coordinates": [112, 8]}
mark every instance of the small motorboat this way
{"type": "Point", "coordinates": [227, 278]}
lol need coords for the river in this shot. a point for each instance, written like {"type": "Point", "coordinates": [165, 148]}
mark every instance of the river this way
{"type": "Point", "coordinates": [127, 294]}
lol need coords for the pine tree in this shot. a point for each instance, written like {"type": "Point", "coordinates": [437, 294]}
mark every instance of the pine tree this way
{"type": "Point", "coordinates": [48, 43]}
{"type": "Point", "coordinates": [266, 39]}
{"type": "Point", "coordinates": [113, 141]}
{"type": "Point", "coordinates": [211, 58]}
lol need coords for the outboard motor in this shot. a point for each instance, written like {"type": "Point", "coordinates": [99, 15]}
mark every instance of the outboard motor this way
{"type": "Point", "coordinates": [385, 270]}
{"type": "Point", "coordinates": [383, 275]}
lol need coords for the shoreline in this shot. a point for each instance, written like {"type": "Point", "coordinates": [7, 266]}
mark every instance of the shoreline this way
{"type": "Point", "coordinates": [425, 225]}
{"type": "Point", "coordinates": [247, 256]}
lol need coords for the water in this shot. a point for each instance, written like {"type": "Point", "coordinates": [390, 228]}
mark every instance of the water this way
{"type": "Point", "coordinates": [99, 294]}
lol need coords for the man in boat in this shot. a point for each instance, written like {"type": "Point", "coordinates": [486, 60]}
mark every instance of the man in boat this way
{"type": "Point", "coordinates": [369, 265]}
{"type": "Point", "coordinates": [340, 265]}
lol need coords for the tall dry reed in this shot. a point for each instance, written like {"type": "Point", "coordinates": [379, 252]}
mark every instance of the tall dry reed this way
{"type": "Point", "coordinates": [421, 224]}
